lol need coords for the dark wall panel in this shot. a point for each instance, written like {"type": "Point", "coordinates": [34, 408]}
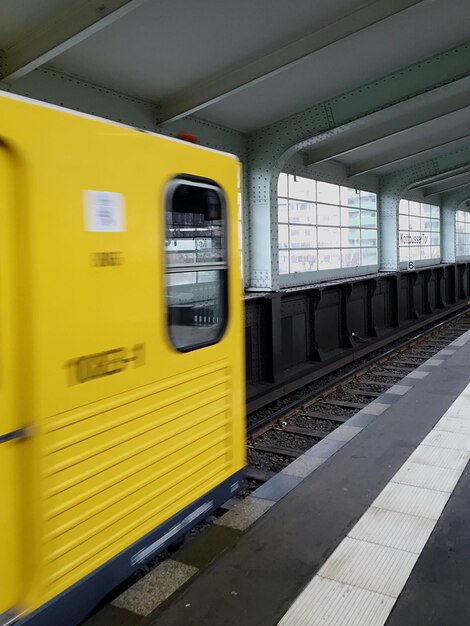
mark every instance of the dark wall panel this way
{"type": "Point", "coordinates": [296, 335]}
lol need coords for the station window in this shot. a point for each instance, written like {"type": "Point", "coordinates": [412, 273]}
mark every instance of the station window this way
{"type": "Point", "coordinates": [419, 231]}
{"type": "Point", "coordinates": [324, 226]}
{"type": "Point", "coordinates": [462, 233]}
{"type": "Point", "coordinates": [196, 264]}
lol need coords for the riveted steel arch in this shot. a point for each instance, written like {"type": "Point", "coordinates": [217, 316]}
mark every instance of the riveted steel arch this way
{"type": "Point", "coordinates": [270, 148]}
{"type": "Point", "coordinates": [392, 189]}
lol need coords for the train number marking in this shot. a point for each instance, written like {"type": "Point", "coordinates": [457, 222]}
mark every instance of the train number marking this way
{"type": "Point", "coordinates": [91, 366]}
{"type": "Point", "coordinates": [107, 259]}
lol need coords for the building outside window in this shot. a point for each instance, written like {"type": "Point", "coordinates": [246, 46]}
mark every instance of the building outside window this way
{"type": "Point", "coordinates": [462, 233]}
{"type": "Point", "coordinates": [323, 226]}
{"type": "Point", "coordinates": [419, 236]}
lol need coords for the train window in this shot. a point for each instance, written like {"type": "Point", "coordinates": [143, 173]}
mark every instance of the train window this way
{"type": "Point", "coordinates": [196, 264]}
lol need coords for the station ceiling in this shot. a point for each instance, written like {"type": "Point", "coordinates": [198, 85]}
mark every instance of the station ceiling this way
{"type": "Point", "coordinates": [248, 64]}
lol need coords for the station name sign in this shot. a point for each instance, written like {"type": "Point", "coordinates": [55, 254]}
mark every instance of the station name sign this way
{"type": "Point", "coordinates": [414, 239]}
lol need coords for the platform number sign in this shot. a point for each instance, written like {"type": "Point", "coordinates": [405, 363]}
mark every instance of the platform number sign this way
{"type": "Point", "coordinates": [411, 265]}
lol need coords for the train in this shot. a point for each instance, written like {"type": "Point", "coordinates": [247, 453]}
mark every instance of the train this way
{"type": "Point", "coordinates": [122, 408]}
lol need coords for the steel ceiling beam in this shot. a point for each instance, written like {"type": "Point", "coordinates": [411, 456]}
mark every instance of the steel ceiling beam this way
{"type": "Point", "coordinates": [446, 183]}
{"type": "Point", "coordinates": [399, 156]}
{"type": "Point", "coordinates": [364, 136]}
{"type": "Point", "coordinates": [428, 194]}
{"type": "Point", "coordinates": [233, 80]}
{"type": "Point", "coordinates": [65, 29]}
{"type": "Point", "coordinates": [446, 176]}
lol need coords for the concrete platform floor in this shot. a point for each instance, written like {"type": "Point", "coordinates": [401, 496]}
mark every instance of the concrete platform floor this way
{"type": "Point", "coordinates": [260, 563]}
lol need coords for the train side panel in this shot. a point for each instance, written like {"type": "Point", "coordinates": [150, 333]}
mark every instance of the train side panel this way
{"type": "Point", "coordinates": [128, 431]}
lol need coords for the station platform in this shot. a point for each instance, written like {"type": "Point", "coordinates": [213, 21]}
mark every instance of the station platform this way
{"type": "Point", "coordinates": [371, 526]}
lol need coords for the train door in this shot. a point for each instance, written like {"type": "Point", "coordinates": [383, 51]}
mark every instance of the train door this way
{"type": "Point", "coordinates": [11, 427]}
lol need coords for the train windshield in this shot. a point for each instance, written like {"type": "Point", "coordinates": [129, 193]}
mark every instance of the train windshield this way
{"type": "Point", "coordinates": [196, 264]}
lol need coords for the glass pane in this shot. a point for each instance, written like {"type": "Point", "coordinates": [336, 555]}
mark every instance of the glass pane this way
{"type": "Point", "coordinates": [403, 207]}
{"type": "Point", "coordinates": [414, 208]}
{"type": "Point", "coordinates": [435, 211]}
{"type": "Point", "coordinates": [425, 210]}
{"type": "Point", "coordinates": [329, 259]}
{"type": "Point", "coordinates": [196, 307]}
{"type": "Point", "coordinates": [460, 216]}
{"type": "Point", "coordinates": [368, 200]}
{"type": "Point", "coordinates": [369, 238]}
{"type": "Point", "coordinates": [328, 215]}
{"type": "Point", "coordinates": [350, 258]}
{"type": "Point", "coordinates": [302, 213]}
{"type": "Point", "coordinates": [303, 261]}
{"type": "Point", "coordinates": [282, 210]}
{"type": "Point", "coordinates": [195, 234]}
{"type": "Point", "coordinates": [435, 252]}
{"type": "Point", "coordinates": [415, 223]}
{"type": "Point", "coordinates": [350, 217]}
{"type": "Point", "coordinates": [369, 257]}
{"type": "Point", "coordinates": [369, 219]}
{"type": "Point", "coordinates": [303, 236]}
{"type": "Point", "coordinates": [350, 237]}
{"type": "Point", "coordinates": [194, 227]}
{"type": "Point", "coordinates": [282, 185]}
{"type": "Point", "coordinates": [283, 262]}
{"type": "Point", "coordinates": [283, 233]}
{"type": "Point", "coordinates": [435, 239]}
{"type": "Point", "coordinates": [328, 237]}
{"type": "Point", "coordinates": [415, 253]}
{"type": "Point", "coordinates": [350, 197]}
{"type": "Point", "coordinates": [460, 250]}
{"type": "Point", "coordinates": [425, 252]}
{"type": "Point", "coordinates": [426, 224]}
{"type": "Point", "coordinates": [436, 225]}
{"type": "Point", "coordinates": [404, 253]}
{"type": "Point", "coordinates": [180, 252]}
{"type": "Point", "coordinates": [301, 188]}
{"type": "Point", "coordinates": [326, 192]}
{"type": "Point", "coordinates": [459, 227]}
{"type": "Point", "coordinates": [404, 222]}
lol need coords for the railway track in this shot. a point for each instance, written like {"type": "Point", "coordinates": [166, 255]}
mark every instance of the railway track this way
{"type": "Point", "coordinates": [279, 434]}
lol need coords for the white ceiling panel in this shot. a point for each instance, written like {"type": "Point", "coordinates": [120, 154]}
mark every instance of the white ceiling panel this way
{"type": "Point", "coordinates": [19, 17]}
{"type": "Point", "coordinates": [398, 41]}
{"type": "Point", "coordinates": [167, 45]}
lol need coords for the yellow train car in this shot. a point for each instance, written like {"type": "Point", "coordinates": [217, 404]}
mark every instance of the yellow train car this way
{"type": "Point", "coordinates": [121, 375]}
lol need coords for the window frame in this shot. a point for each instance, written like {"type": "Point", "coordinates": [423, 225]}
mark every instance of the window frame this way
{"type": "Point", "coordinates": [465, 234]}
{"type": "Point", "coordinates": [221, 266]}
{"type": "Point", "coordinates": [421, 262]}
{"type": "Point", "coordinates": [287, 197]}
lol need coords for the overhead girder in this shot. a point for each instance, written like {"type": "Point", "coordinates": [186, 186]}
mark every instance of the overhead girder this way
{"type": "Point", "coordinates": [398, 155]}
{"type": "Point", "coordinates": [394, 121]}
{"type": "Point", "coordinates": [455, 199]}
{"type": "Point", "coordinates": [446, 186]}
{"type": "Point", "coordinates": [443, 178]}
{"type": "Point", "coordinates": [63, 30]}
